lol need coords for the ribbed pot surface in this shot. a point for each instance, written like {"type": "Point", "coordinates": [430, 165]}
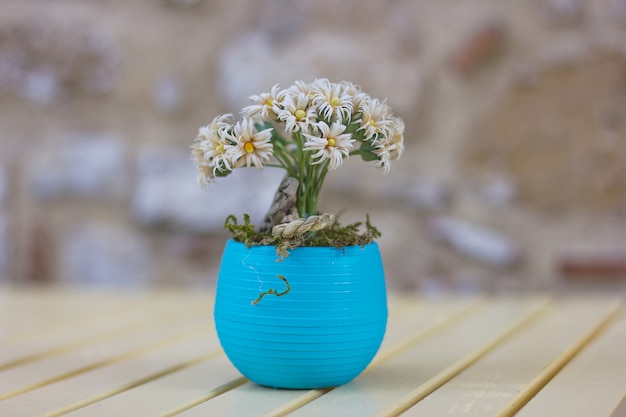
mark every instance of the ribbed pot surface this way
{"type": "Point", "coordinates": [322, 333]}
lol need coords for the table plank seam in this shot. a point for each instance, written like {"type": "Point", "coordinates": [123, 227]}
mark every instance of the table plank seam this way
{"type": "Point", "coordinates": [560, 362]}
{"type": "Point", "coordinates": [119, 358]}
{"type": "Point", "coordinates": [69, 319]}
{"type": "Point", "coordinates": [159, 319]}
{"type": "Point", "coordinates": [211, 394]}
{"type": "Point", "coordinates": [80, 404]}
{"type": "Point", "coordinates": [480, 303]}
{"type": "Point", "coordinates": [118, 308]}
{"type": "Point", "coordinates": [620, 408]}
{"type": "Point", "coordinates": [456, 368]}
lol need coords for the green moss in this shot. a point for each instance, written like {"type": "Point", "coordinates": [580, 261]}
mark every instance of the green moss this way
{"type": "Point", "coordinates": [337, 236]}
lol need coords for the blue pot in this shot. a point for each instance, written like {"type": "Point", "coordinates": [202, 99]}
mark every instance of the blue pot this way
{"type": "Point", "coordinates": [323, 332]}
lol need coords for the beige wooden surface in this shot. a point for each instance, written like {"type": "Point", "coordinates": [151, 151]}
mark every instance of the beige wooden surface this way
{"type": "Point", "coordinates": [156, 354]}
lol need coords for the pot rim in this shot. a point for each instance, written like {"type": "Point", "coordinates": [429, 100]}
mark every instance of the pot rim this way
{"type": "Point", "coordinates": [242, 245]}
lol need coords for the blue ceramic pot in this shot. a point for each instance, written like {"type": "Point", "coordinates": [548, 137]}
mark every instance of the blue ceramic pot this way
{"type": "Point", "coordinates": [322, 333]}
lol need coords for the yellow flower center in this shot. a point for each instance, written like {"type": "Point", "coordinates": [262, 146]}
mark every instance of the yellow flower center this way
{"type": "Point", "coordinates": [372, 122]}
{"type": "Point", "coordinates": [300, 114]}
{"type": "Point", "coordinates": [331, 142]}
{"type": "Point", "coordinates": [269, 102]}
{"type": "Point", "coordinates": [334, 101]}
{"type": "Point", "coordinates": [219, 148]}
{"type": "Point", "coordinates": [249, 147]}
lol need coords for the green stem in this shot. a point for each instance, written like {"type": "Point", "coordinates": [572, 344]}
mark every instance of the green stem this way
{"type": "Point", "coordinates": [303, 187]}
{"type": "Point", "coordinates": [282, 155]}
{"type": "Point", "coordinates": [298, 164]}
{"type": "Point", "coordinates": [285, 162]}
{"type": "Point", "coordinates": [322, 176]}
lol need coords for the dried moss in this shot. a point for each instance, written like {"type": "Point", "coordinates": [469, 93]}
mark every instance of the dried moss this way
{"type": "Point", "coordinates": [337, 236]}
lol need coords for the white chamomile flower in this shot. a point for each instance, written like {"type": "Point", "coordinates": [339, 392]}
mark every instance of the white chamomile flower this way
{"type": "Point", "coordinates": [300, 87]}
{"type": "Point", "coordinates": [354, 91]}
{"type": "Point", "coordinates": [211, 149]}
{"type": "Point", "coordinates": [375, 119]}
{"type": "Point", "coordinates": [297, 113]}
{"type": "Point", "coordinates": [205, 174]}
{"type": "Point", "coordinates": [218, 150]}
{"type": "Point", "coordinates": [251, 147]}
{"type": "Point", "coordinates": [267, 104]}
{"type": "Point", "coordinates": [332, 100]}
{"type": "Point", "coordinates": [333, 145]}
{"type": "Point", "coordinates": [392, 147]}
{"type": "Point", "coordinates": [221, 123]}
{"type": "Point", "coordinates": [396, 142]}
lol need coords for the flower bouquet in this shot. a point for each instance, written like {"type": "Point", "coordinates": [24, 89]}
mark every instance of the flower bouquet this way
{"type": "Point", "coordinates": [330, 326]}
{"type": "Point", "coordinates": [307, 130]}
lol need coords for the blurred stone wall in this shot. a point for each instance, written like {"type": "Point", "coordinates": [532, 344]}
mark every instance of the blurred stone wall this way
{"type": "Point", "coordinates": [514, 176]}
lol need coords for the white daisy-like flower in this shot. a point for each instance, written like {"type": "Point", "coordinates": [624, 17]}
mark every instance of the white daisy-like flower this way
{"type": "Point", "coordinates": [332, 99]}
{"type": "Point", "coordinates": [375, 119]}
{"type": "Point", "coordinates": [333, 145]}
{"type": "Point", "coordinates": [354, 91]}
{"type": "Point", "coordinates": [205, 174]}
{"type": "Point", "coordinates": [297, 113]}
{"type": "Point", "coordinates": [221, 123]}
{"type": "Point", "coordinates": [267, 104]}
{"type": "Point", "coordinates": [251, 147]}
{"type": "Point", "coordinates": [211, 149]}
{"type": "Point", "coordinates": [300, 87]}
{"type": "Point", "coordinates": [396, 142]}
{"type": "Point", "coordinates": [392, 147]}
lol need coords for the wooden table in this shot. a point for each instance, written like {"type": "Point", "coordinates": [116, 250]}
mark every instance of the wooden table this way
{"type": "Point", "coordinates": [156, 354]}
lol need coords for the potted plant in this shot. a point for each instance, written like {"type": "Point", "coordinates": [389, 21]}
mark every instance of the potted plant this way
{"type": "Point", "coordinates": [300, 300]}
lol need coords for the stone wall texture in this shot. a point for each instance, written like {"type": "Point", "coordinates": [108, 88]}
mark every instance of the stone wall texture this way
{"type": "Point", "coordinates": [513, 179]}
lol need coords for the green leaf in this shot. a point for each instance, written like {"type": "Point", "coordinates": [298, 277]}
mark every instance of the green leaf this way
{"type": "Point", "coordinates": [368, 156]}
{"type": "Point", "coordinates": [222, 170]}
{"type": "Point", "coordinates": [366, 150]}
